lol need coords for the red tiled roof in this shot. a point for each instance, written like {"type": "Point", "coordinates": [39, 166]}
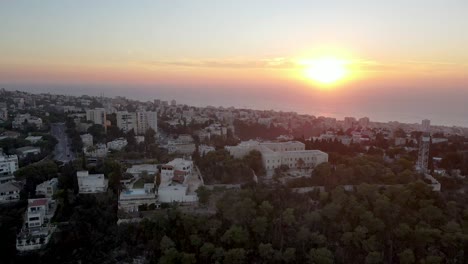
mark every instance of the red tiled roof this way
{"type": "Point", "coordinates": [178, 178]}
{"type": "Point", "coordinates": [38, 202]}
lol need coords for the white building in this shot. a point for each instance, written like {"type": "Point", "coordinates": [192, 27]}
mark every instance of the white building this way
{"type": "Point", "coordinates": [91, 183]}
{"type": "Point", "coordinates": [97, 151]}
{"type": "Point", "coordinates": [139, 139]}
{"type": "Point", "coordinates": [3, 112]}
{"type": "Point", "coordinates": [130, 200]}
{"type": "Point", "coordinates": [349, 122]}
{"type": "Point", "coordinates": [176, 170]}
{"type": "Point", "coordinates": [8, 166]}
{"type": "Point", "coordinates": [426, 125]}
{"type": "Point", "coordinates": [137, 170]}
{"type": "Point", "coordinates": [47, 188]}
{"type": "Point", "coordinates": [10, 192]}
{"type": "Point", "coordinates": [117, 144]}
{"type": "Point", "coordinates": [126, 121]}
{"type": "Point", "coordinates": [22, 119]}
{"type": "Point", "coordinates": [25, 151]}
{"type": "Point", "coordinates": [178, 182]}
{"type": "Point", "coordinates": [177, 193]}
{"type": "Point", "coordinates": [87, 140]}
{"type": "Point", "coordinates": [184, 144]}
{"type": "Point", "coordinates": [204, 149]}
{"type": "Point", "coordinates": [364, 122]}
{"type": "Point", "coordinates": [275, 154]}
{"type": "Point", "coordinates": [37, 229]}
{"type": "Point", "coordinates": [145, 121]}
{"type": "Point", "coordinates": [34, 139]}
{"type": "Point", "coordinates": [97, 116]}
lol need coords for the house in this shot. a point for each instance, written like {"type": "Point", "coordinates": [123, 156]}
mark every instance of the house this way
{"type": "Point", "coordinates": [179, 181]}
{"type": "Point", "coordinates": [10, 192]}
{"type": "Point", "coordinates": [91, 183]}
{"type": "Point", "coordinates": [276, 154]}
{"type": "Point", "coordinates": [37, 229]}
{"type": "Point", "coordinates": [97, 151]}
{"type": "Point", "coordinates": [175, 168]}
{"type": "Point", "coordinates": [9, 134]}
{"type": "Point", "coordinates": [203, 149]}
{"type": "Point", "coordinates": [184, 144]}
{"type": "Point", "coordinates": [131, 199]}
{"type": "Point", "coordinates": [34, 139]}
{"type": "Point", "coordinates": [117, 144]}
{"type": "Point", "coordinates": [22, 119]}
{"type": "Point", "coordinates": [47, 188]}
{"type": "Point", "coordinates": [25, 151]}
{"type": "Point", "coordinates": [137, 170]}
{"type": "Point", "coordinates": [8, 166]}
{"type": "Point", "coordinates": [87, 140]}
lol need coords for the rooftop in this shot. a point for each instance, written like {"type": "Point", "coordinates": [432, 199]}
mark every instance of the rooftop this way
{"type": "Point", "coordinates": [38, 202]}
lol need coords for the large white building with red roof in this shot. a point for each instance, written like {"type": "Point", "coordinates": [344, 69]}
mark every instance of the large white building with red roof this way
{"type": "Point", "coordinates": [179, 180]}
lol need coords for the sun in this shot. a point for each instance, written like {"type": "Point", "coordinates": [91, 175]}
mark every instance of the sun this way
{"type": "Point", "coordinates": [326, 70]}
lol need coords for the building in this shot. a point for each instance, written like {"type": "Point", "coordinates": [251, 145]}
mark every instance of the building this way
{"type": "Point", "coordinates": [34, 139]}
{"type": "Point", "coordinates": [138, 170]}
{"type": "Point", "coordinates": [3, 112]}
{"type": "Point", "coordinates": [184, 144]}
{"type": "Point", "coordinates": [130, 200]}
{"type": "Point", "coordinates": [173, 102]}
{"type": "Point", "coordinates": [97, 151]}
{"type": "Point", "coordinates": [145, 121]}
{"type": "Point", "coordinates": [28, 150]}
{"type": "Point", "coordinates": [21, 120]}
{"type": "Point", "coordinates": [276, 154]}
{"type": "Point", "coordinates": [364, 122]}
{"type": "Point", "coordinates": [177, 169]}
{"type": "Point", "coordinates": [37, 229]}
{"type": "Point", "coordinates": [139, 139]}
{"type": "Point", "coordinates": [8, 166]}
{"type": "Point", "coordinates": [91, 183]}
{"type": "Point", "coordinates": [204, 149]}
{"type": "Point", "coordinates": [349, 122]}
{"type": "Point", "coordinates": [47, 188]}
{"type": "Point", "coordinates": [126, 121]}
{"type": "Point", "coordinates": [176, 193]}
{"type": "Point", "coordinates": [117, 144]}
{"type": "Point", "coordinates": [87, 140]}
{"type": "Point", "coordinates": [426, 125]}
{"type": "Point", "coordinates": [97, 116]}
{"type": "Point", "coordinates": [10, 192]}
{"type": "Point", "coordinates": [179, 181]}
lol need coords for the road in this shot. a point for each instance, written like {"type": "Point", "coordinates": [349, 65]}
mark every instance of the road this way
{"type": "Point", "coordinates": [62, 150]}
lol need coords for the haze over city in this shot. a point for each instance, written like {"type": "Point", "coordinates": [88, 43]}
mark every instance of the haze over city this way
{"type": "Point", "coordinates": [396, 60]}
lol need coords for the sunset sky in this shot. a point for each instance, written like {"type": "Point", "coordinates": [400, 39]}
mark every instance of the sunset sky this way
{"type": "Point", "coordinates": [404, 60]}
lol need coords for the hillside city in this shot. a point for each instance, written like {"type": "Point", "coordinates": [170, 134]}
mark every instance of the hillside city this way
{"type": "Point", "coordinates": [86, 179]}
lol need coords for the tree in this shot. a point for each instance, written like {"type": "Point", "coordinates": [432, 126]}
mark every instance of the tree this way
{"type": "Point", "coordinates": [374, 258]}
{"type": "Point", "coordinates": [98, 133]}
{"type": "Point", "coordinates": [289, 255]}
{"type": "Point", "coordinates": [166, 243]}
{"type": "Point", "coordinates": [407, 257]}
{"type": "Point", "coordinates": [235, 236]}
{"type": "Point", "coordinates": [150, 136]}
{"type": "Point", "coordinates": [235, 256]}
{"type": "Point", "coordinates": [266, 251]}
{"type": "Point", "coordinates": [320, 256]}
{"type": "Point", "coordinates": [203, 195]}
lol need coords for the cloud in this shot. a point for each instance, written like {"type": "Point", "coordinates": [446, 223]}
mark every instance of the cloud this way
{"type": "Point", "coordinates": [287, 63]}
{"type": "Point", "coordinates": [408, 66]}
{"type": "Point", "coordinates": [272, 63]}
